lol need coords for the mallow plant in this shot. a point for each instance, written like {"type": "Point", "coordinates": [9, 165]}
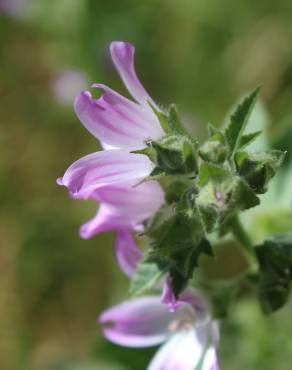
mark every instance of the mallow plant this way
{"type": "Point", "coordinates": [154, 181]}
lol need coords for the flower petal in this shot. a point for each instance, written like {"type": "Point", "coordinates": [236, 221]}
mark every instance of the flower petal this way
{"type": "Point", "coordinates": [137, 203]}
{"type": "Point", "coordinates": [182, 351]}
{"type": "Point", "coordinates": [127, 252]}
{"type": "Point", "coordinates": [141, 322]}
{"type": "Point", "coordinates": [123, 57]}
{"type": "Point", "coordinates": [197, 302]}
{"type": "Point", "coordinates": [123, 207]}
{"type": "Point", "coordinates": [117, 121]}
{"type": "Point", "coordinates": [104, 168]}
{"type": "Point", "coordinates": [189, 297]}
{"type": "Point", "coordinates": [168, 297]}
{"type": "Point", "coordinates": [210, 361]}
{"type": "Point", "coordinates": [107, 219]}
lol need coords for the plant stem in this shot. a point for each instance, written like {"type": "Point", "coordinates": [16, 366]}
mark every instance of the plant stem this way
{"type": "Point", "coordinates": [240, 234]}
{"type": "Point", "coordinates": [244, 239]}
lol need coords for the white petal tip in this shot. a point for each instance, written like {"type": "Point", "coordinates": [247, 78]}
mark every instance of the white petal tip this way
{"type": "Point", "coordinates": [119, 45]}
{"type": "Point", "coordinates": [84, 233]}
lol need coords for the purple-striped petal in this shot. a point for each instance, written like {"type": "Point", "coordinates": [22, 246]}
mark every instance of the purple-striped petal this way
{"type": "Point", "coordinates": [134, 202]}
{"type": "Point", "coordinates": [123, 207]}
{"type": "Point", "coordinates": [117, 121]}
{"type": "Point", "coordinates": [182, 351]}
{"type": "Point", "coordinates": [123, 54]}
{"type": "Point", "coordinates": [127, 252]}
{"type": "Point", "coordinates": [141, 322]}
{"type": "Point", "coordinates": [107, 218]}
{"type": "Point", "coordinates": [104, 168]}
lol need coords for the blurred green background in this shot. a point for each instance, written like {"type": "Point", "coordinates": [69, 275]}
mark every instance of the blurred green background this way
{"type": "Point", "coordinates": [200, 54]}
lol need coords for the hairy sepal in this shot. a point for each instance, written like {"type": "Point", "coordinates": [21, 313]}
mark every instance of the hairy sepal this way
{"type": "Point", "coordinates": [258, 168]}
{"type": "Point", "coordinates": [275, 260]}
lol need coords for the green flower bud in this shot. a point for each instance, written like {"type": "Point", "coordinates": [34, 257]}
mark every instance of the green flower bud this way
{"type": "Point", "coordinates": [258, 168]}
{"type": "Point", "coordinates": [176, 155]}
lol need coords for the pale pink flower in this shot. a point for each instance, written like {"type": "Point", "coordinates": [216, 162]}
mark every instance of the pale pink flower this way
{"type": "Point", "coordinates": [121, 125]}
{"type": "Point", "coordinates": [113, 119]}
{"type": "Point", "coordinates": [123, 209]}
{"type": "Point", "coordinates": [111, 176]}
{"type": "Point", "coordinates": [189, 335]}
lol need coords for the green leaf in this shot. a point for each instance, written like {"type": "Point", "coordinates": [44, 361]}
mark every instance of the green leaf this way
{"type": "Point", "coordinates": [222, 197]}
{"type": "Point", "coordinates": [162, 118]}
{"type": "Point", "coordinates": [175, 122]}
{"type": "Point", "coordinates": [171, 121]}
{"type": "Point", "coordinates": [258, 168]}
{"type": "Point", "coordinates": [275, 260]}
{"type": "Point", "coordinates": [242, 197]}
{"type": "Point", "coordinates": [176, 155]}
{"type": "Point", "coordinates": [175, 190]}
{"type": "Point", "coordinates": [210, 216]}
{"type": "Point", "coordinates": [176, 240]}
{"type": "Point", "coordinates": [182, 271]}
{"type": "Point", "coordinates": [148, 151]}
{"type": "Point", "coordinates": [190, 156]}
{"type": "Point", "coordinates": [156, 174]}
{"type": "Point", "coordinates": [211, 130]}
{"type": "Point", "coordinates": [210, 171]}
{"type": "Point", "coordinates": [247, 139]}
{"type": "Point", "coordinates": [145, 277]}
{"type": "Point", "coordinates": [238, 121]}
{"type": "Point", "coordinates": [177, 232]}
{"type": "Point", "coordinates": [214, 150]}
{"type": "Point", "coordinates": [169, 154]}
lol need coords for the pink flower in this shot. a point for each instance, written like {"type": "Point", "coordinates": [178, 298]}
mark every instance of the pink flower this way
{"type": "Point", "coordinates": [188, 333]}
{"type": "Point", "coordinates": [113, 119]}
{"type": "Point", "coordinates": [111, 176]}
{"type": "Point", "coordinates": [113, 167]}
{"type": "Point", "coordinates": [121, 125]}
{"type": "Point", "coordinates": [123, 209]}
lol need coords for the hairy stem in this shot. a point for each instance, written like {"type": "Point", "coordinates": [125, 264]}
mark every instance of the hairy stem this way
{"type": "Point", "coordinates": [241, 235]}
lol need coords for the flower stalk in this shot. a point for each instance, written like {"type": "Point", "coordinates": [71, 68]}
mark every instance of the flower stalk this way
{"type": "Point", "coordinates": [243, 238]}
